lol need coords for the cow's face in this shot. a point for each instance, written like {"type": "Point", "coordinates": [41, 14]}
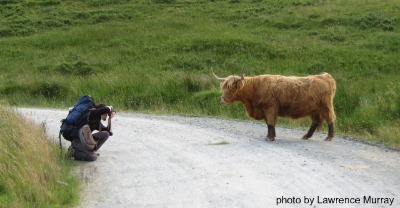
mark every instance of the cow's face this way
{"type": "Point", "coordinates": [229, 87]}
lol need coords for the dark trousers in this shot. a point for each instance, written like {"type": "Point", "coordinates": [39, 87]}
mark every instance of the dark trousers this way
{"type": "Point", "coordinates": [81, 153]}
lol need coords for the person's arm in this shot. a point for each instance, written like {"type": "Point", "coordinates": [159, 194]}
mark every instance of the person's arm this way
{"type": "Point", "coordinates": [96, 113]}
{"type": "Point", "coordinates": [104, 110]}
{"type": "Point", "coordinates": [110, 114]}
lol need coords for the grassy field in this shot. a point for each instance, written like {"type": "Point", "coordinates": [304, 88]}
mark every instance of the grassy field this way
{"type": "Point", "coordinates": [156, 55]}
{"type": "Point", "coordinates": [31, 172]}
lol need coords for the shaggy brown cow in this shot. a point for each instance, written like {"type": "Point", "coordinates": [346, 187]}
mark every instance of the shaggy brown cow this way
{"type": "Point", "coordinates": [269, 96]}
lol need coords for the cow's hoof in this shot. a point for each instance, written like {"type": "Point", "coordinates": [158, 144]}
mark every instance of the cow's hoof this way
{"type": "Point", "coordinates": [271, 139]}
{"type": "Point", "coordinates": [305, 137]}
{"type": "Point", "coordinates": [328, 139]}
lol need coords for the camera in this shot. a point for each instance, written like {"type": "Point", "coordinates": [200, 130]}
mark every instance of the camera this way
{"type": "Point", "coordinates": [111, 112]}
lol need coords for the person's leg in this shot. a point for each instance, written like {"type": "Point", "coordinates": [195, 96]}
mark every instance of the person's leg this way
{"type": "Point", "coordinates": [80, 152]}
{"type": "Point", "coordinates": [100, 138]}
{"type": "Point", "coordinates": [85, 156]}
{"type": "Point", "coordinates": [86, 137]}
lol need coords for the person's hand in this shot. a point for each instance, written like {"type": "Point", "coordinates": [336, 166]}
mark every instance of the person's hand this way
{"type": "Point", "coordinates": [112, 114]}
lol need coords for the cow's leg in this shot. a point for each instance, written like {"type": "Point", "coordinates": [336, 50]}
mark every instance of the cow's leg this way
{"type": "Point", "coordinates": [271, 133]}
{"type": "Point", "coordinates": [330, 132]}
{"type": "Point", "coordinates": [316, 121]}
{"type": "Point", "coordinates": [329, 116]}
{"type": "Point", "coordinates": [311, 131]}
{"type": "Point", "coordinates": [270, 119]}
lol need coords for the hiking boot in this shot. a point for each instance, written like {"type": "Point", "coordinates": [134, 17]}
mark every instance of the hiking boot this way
{"type": "Point", "coordinates": [70, 152]}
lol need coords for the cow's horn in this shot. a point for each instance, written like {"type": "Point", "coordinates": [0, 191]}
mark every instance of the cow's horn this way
{"type": "Point", "coordinates": [216, 77]}
{"type": "Point", "coordinates": [241, 74]}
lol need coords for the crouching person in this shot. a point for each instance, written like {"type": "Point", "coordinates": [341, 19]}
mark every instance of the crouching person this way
{"type": "Point", "coordinates": [85, 143]}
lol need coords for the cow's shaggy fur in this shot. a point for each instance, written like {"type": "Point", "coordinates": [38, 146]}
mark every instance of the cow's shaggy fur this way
{"type": "Point", "coordinates": [269, 96]}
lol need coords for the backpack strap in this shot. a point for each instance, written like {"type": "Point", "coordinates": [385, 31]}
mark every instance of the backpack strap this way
{"type": "Point", "coordinates": [88, 116]}
{"type": "Point", "coordinates": [59, 137]}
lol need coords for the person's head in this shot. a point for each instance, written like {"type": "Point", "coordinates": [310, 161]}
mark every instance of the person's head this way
{"type": "Point", "coordinates": [103, 116]}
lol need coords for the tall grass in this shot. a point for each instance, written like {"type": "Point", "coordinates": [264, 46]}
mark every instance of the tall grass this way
{"type": "Point", "coordinates": [31, 172]}
{"type": "Point", "coordinates": [156, 55]}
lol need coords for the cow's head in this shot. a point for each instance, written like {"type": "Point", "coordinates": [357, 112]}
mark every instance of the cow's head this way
{"type": "Point", "coordinates": [229, 85]}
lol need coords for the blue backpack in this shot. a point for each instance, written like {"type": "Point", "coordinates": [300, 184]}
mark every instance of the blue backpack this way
{"type": "Point", "coordinates": [76, 112]}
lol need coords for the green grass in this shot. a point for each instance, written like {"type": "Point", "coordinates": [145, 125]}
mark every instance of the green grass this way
{"type": "Point", "coordinates": [31, 171]}
{"type": "Point", "coordinates": [156, 55]}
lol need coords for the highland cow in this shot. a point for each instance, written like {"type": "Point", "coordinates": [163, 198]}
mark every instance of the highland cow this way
{"type": "Point", "coordinates": [269, 96]}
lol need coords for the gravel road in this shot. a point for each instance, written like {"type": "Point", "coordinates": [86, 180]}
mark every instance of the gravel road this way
{"type": "Point", "coordinates": [174, 161]}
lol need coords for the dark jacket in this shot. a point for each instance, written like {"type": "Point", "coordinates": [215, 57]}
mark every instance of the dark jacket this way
{"type": "Point", "coordinates": [93, 118]}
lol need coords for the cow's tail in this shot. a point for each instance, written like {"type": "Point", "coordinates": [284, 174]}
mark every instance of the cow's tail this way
{"type": "Point", "coordinates": [332, 84]}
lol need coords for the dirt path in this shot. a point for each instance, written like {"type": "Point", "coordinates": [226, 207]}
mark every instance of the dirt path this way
{"type": "Point", "coordinates": [162, 161]}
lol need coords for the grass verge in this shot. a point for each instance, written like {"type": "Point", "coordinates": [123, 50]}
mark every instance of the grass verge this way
{"type": "Point", "coordinates": [32, 174]}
